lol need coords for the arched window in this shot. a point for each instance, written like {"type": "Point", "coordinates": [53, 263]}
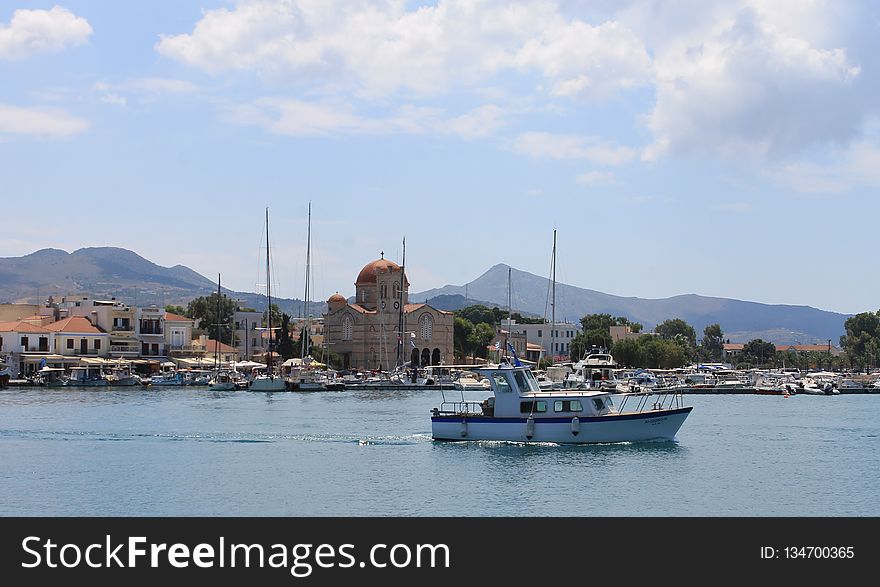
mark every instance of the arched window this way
{"type": "Point", "coordinates": [395, 291]}
{"type": "Point", "coordinates": [435, 357]}
{"type": "Point", "coordinates": [383, 291]}
{"type": "Point", "coordinates": [426, 326]}
{"type": "Point", "coordinates": [414, 357]}
{"type": "Point", "coordinates": [347, 327]}
{"type": "Point", "coordinates": [426, 357]}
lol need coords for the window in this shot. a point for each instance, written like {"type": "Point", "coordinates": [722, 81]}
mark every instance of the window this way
{"type": "Point", "coordinates": [532, 407]}
{"type": "Point", "coordinates": [97, 344]}
{"type": "Point", "coordinates": [347, 327]}
{"type": "Point", "coordinates": [426, 326]}
{"type": "Point", "coordinates": [70, 343]}
{"type": "Point", "coordinates": [254, 342]}
{"type": "Point", "coordinates": [540, 334]}
{"type": "Point", "coordinates": [395, 291]}
{"type": "Point", "coordinates": [598, 403]}
{"type": "Point", "coordinates": [383, 291]}
{"type": "Point", "coordinates": [501, 382]}
{"type": "Point", "coordinates": [24, 342]}
{"type": "Point", "coordinates": [568, 406]}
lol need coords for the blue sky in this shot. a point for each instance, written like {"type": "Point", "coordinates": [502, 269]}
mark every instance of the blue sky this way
{"type": "Point", "coordinates": [727, 148]}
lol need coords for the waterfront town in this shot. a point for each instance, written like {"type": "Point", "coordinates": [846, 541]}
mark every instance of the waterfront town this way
{"type": "Point", "coordinates": [377, 336]}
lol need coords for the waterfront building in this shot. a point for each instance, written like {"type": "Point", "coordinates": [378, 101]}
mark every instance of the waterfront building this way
{"type": "Point", "coordinates": [553, 340]}
{"type": "Point", "coordinates": [151, 331]}
{"type": "Point", "coordinates": [250, 341]}
{"type": "Point", "coordinates": [365, 332]}
{"type": "Point", "coordinates": [113, 317]}
{"type": "Point", "coordinates": [23, 344]}
{"type": "Point", "coordinates": [625, 332]}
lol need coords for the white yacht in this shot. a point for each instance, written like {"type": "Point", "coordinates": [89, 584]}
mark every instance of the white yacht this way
{"type": "Point", "coordinates": [519, 411]}
{"type": "Point", "coordinates": [596, 370]}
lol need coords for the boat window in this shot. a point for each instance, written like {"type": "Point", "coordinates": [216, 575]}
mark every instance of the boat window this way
{"type": "Point", "coordinates": [598, 403]}
{"type": "Point", "coordinates": [532, 381]}
{"type": "Point", "coordinates": [501, 383]}
{"type": "Point", "coordinates": [532, 407]}
{"type": "Point", "coordinates": [567, 406]}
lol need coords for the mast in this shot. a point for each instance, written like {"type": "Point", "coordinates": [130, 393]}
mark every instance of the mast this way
{"type": "Point", "coordinates": [402, 314]}
{"type": "Point", "coordinates": [553, 302]}
{"type": "Point", "coordinates": [507, 336]}
{"type": "Point", "coordinates": [217, 342]}
{"type": "Point", "coordinates": [307, 331]}
{"type": "Point", "coordinates": [268, 301]}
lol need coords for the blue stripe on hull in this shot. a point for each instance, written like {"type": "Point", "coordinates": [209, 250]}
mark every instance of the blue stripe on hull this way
{"type": "Point", "coordinates": [583, 419]}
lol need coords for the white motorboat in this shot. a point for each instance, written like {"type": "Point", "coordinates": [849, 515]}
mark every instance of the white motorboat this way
{"type": "Point", "coordinates": [519, 411]}
{"type": "Point", "coordinates": [594, 371]}
{"type": "Point", "coordinates": [224, 381]}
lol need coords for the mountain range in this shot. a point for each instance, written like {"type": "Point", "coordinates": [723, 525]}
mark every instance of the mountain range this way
{"type": "Point", "coordinates": [106, 272]}
{"type": "Point", "coordinates": [741, 321]}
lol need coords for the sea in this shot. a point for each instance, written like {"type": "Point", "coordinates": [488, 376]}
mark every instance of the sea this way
{"type": "Point", "coordinates": [190, 451]}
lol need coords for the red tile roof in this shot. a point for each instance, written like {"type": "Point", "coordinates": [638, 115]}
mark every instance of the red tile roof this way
{"type": "Point", "coordinates": [169, 317]}
{"type": "Point", "coordinates": [78, 324]}
{"type": "Point", "coordinates": [211, 346]}
{"type": "Point", "coordinates": [22, 326]}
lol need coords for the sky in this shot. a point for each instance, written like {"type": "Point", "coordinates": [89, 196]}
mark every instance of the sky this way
{"type": "Point", "coordinates": [727, 148]}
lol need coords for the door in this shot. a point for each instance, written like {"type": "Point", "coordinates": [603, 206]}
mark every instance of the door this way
{"type": "Point", "coordinates": [84, 346]}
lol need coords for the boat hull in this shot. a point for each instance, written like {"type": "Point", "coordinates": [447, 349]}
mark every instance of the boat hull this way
{"type": "Point", "coordinates": [268, 384]}
{"type": "Point", "coordinates": [630, 427]}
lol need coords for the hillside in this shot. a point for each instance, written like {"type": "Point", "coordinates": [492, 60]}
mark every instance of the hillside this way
{"type": "Point", "coordinates": [105, 272]}
{"type": "Point", "coordinates": [741, 320]}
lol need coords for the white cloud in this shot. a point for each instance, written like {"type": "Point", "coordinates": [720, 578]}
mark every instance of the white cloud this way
{"type": "Point", "coordinates": [857, 166]}
{"type": "Point", "coordinates": [376, 49]}
{"type": "Point", "coordinates": [747, 82]}
{"type": "Point", "coordinates": [292, 117]}
{"type": "Point", "coordinates": [41, 31]}
{"type": "Point", "coordinates": [542, 145]}
{"type": "Point", "coordinates": [41, 122]}
{"type": "Point", "coordinates": [114, 99]}
{"type": "Point", "coordinates": [593, 178]}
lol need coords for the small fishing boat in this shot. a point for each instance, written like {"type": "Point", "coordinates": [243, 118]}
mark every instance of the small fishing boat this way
{"type": "Point", "coordinates": [519, 411]}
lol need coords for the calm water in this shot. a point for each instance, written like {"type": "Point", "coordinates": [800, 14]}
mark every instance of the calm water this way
{"type": "Point", "coordinates": [191, 451]}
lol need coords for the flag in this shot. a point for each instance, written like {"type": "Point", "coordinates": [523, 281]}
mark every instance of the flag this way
{"type": "Point", "coordinates": [497, 345]}
{"type": "Point", "coordinates": [516, 361]}
{"type": "Point", "coordinates": [412, 343]}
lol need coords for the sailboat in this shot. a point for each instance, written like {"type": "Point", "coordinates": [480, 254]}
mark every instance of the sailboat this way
{"type": "Point", "coordinates": [220, 380]}
{"type": "Point", "coordinates": [309, 378]}
{"type": "Point", "coordinates": [270, 380]}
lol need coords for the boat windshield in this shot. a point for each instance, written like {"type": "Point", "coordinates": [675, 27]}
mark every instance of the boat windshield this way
{"type": "Point", "coordinates": [526, 381]}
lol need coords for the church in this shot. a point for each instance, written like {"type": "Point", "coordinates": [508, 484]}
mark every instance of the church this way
{"type": "Point", "coordinates": [365, 333]}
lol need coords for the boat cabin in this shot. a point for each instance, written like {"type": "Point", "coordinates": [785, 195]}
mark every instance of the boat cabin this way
{"type": "Point", "coordinates": [516, 394]}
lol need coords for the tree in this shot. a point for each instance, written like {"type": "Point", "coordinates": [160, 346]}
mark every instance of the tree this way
{"type": "Point", "coordinates": [285, 341]}
{"type": "Point", "coordinates": [479, 338]}
{"type": "Point", "coordinates": [462, 328]}
{"type": "Point", "coordinates": [276, 316]}
{"type": "Point", "coordinates": [204, 309]}
{"type": "Point", "coordinates": [628, 352]}
{"type": "Point", "coordinates": [676, 326]}
{"type": "Point", "coordinates": [712, 343]}
{"type": "Point", "coordinates": [862, 339]}
{"type": "Point", "coordinates": [479, 314]}
{"type": "Point", "coordinates": [759, 351]}
{"type": "Point", "coordinates": [179, 310]}
{"type": "Point", "coordinates": [520, 319]}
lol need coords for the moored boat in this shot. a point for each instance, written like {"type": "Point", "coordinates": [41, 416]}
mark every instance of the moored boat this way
{"type": "Point", "coordinates": [519, 411]}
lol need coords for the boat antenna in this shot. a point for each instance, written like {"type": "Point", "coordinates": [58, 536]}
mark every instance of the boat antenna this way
{"type": "Point", "coordinates": [506, 336]}
{"type": "Point", "coordinates": [217, 342]}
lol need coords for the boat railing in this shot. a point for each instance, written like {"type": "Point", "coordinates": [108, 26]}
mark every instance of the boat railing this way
{"type": "Point", "coordinates": [460, 407]}
{"type": "Point", "coordinates": [663, 399]}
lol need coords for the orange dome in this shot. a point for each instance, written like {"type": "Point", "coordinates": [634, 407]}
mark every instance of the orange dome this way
{"type": "Point", "coordinates": [337, 298]}
{"type": "Point", "coordinates": [367, 275]}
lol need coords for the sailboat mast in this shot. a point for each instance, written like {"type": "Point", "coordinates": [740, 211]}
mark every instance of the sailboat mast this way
{"type": "Point", "coordinates": [217, 342]}
{"type": "Point", "coordinates": [306, 332]}
{"type": "Point", "coordinates": [401, 316]}
{"type": "Point", "coordinates": [506, 336]}
{"type": "Point", "coordinates": [553, 302]}
{"type": "Point", "coordinates": [268, 301]}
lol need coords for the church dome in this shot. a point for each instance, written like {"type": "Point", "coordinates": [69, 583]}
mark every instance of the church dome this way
{"type": "Point", "coordinates": [337, 298]}
{"type": "Point", "coordinates": [367, 276]}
